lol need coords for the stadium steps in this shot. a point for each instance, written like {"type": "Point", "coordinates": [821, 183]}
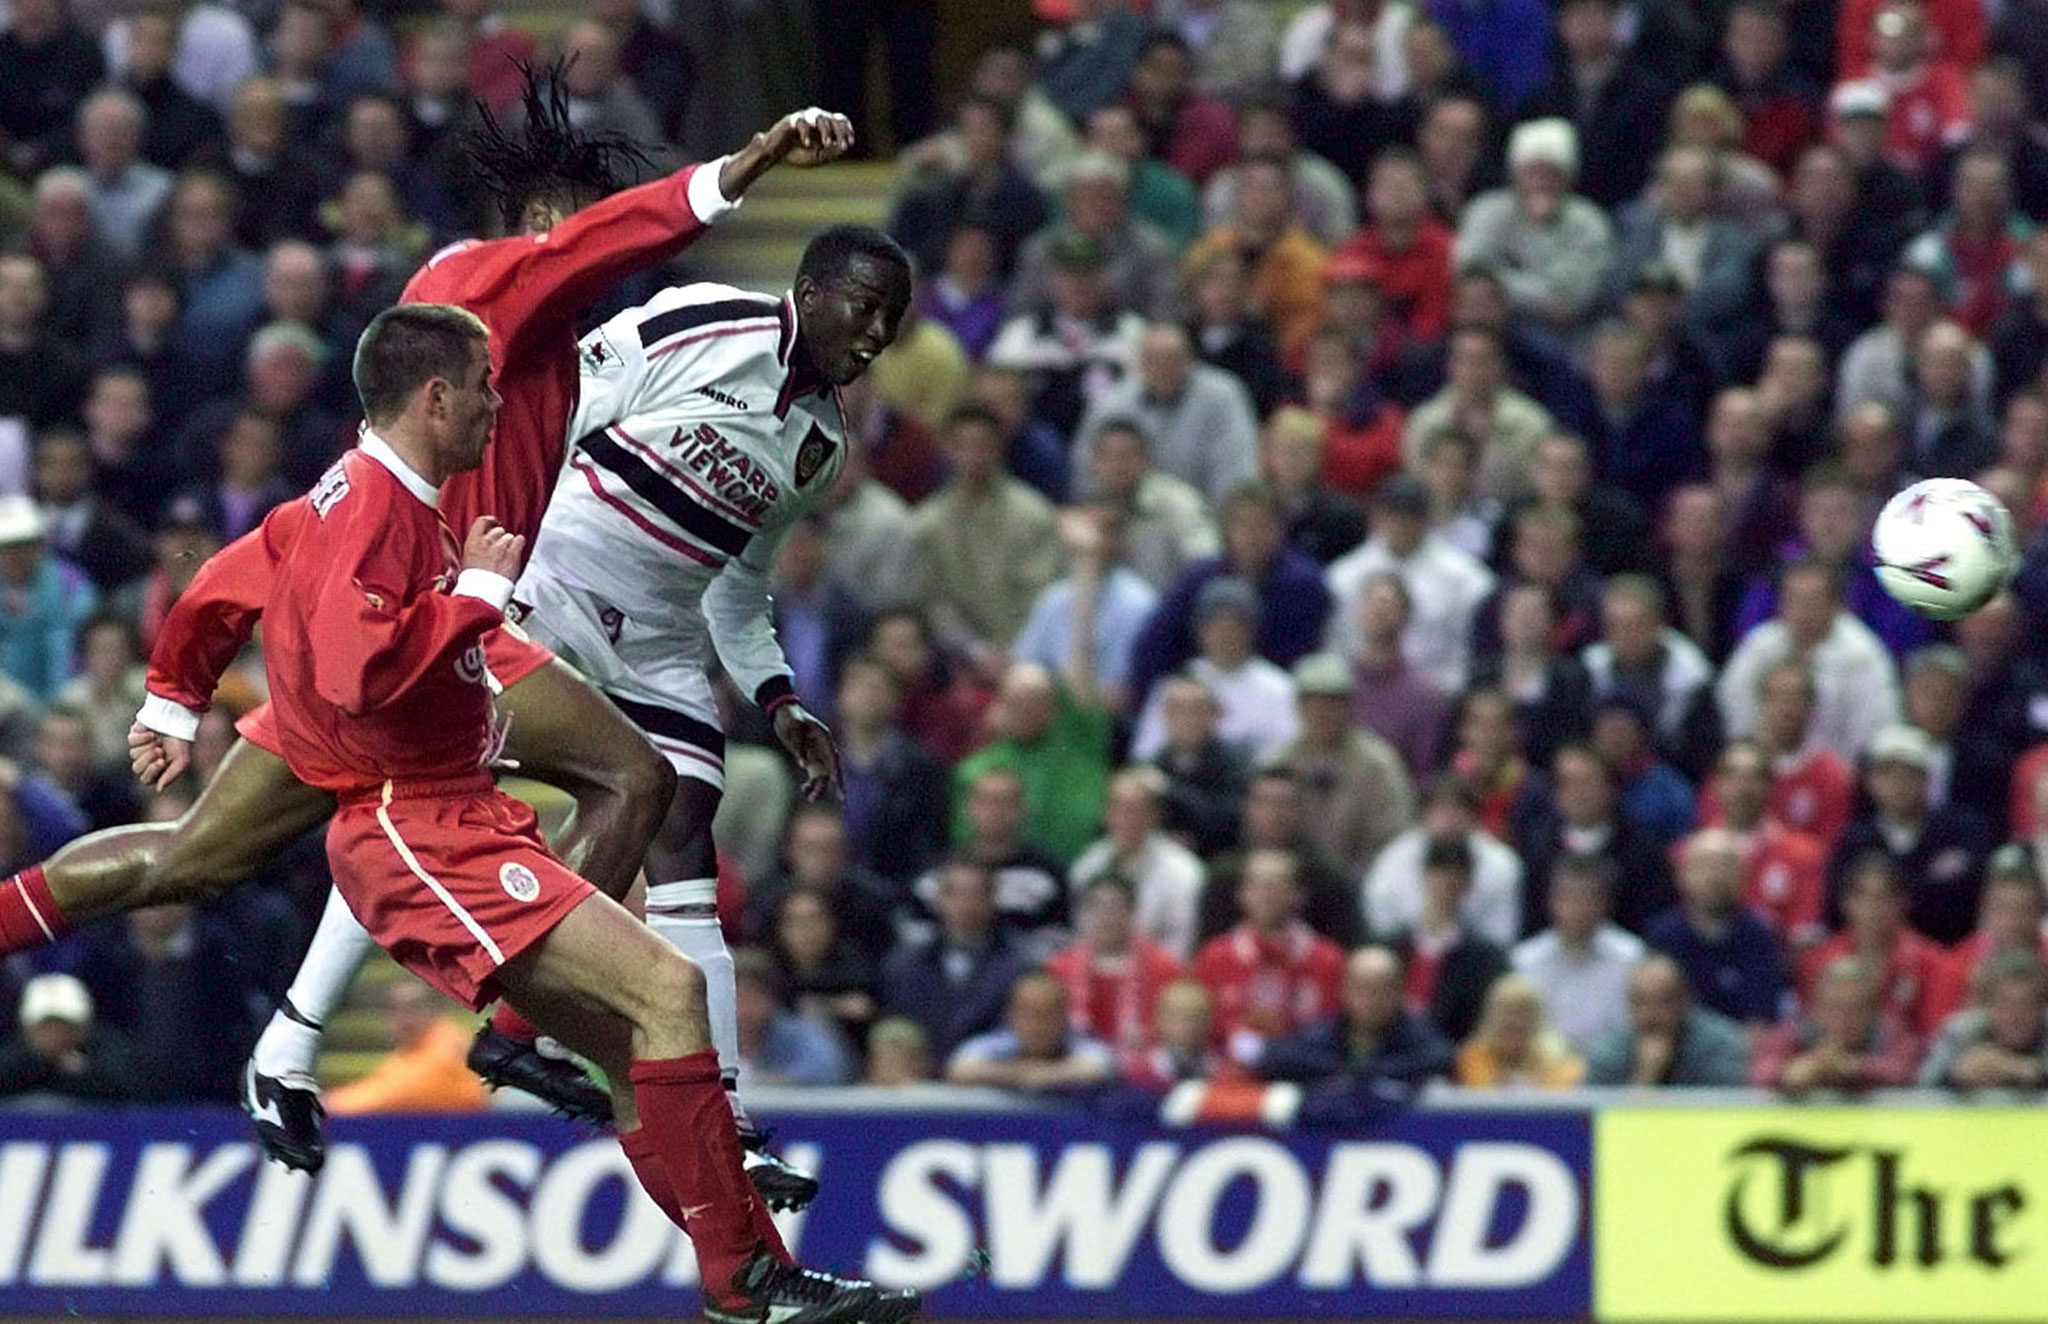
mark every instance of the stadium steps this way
{"type": "Point", "coordinates": [758, 246]}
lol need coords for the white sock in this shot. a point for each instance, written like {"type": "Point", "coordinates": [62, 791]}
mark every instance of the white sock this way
{"type": "Point", "coordinates": [290, 1042]}
{"type": "Point", "coordinates": [699, 937]}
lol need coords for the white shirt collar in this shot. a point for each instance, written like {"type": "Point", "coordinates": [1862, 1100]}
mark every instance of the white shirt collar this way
{"type": "Point", "coordinates": [380, 450]}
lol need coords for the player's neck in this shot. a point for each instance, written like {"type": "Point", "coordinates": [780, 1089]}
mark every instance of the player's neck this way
{"type": "Point", "coordinates": [413, 450]}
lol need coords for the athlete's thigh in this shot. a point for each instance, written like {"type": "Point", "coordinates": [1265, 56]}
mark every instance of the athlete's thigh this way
{"type": "Point", "coordinates": [560, 729]}
{"type": "Point", "coordinates": [252, 809]}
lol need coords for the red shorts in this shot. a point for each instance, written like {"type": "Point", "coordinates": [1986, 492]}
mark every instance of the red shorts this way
{"type": "Point", "coordinates": [452, 878]}
{"type": "Point", "coordinates": [508, 652]}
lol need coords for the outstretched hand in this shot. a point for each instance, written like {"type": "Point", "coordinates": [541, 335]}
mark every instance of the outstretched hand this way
{"type": "Point", "coordinates": [809, 137]}
{"type": "Point", "coordinates": [493, 547]}
{"type": "Point", "coordinates": [809, 742]}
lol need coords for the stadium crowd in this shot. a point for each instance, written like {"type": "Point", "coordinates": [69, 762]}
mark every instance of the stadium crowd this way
{"type": "Point", "coordinates": [1357, 573]}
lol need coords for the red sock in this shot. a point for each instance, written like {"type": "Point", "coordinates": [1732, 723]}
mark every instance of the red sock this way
{"type": "Point", "coordinates": [686, 1121]}
{"type": "Point", "coordinates": [647, 1166]}
{"type": "Point", "coordinates": [29, 916]}
{"type": "Point", "coordinates": [512, 1025]}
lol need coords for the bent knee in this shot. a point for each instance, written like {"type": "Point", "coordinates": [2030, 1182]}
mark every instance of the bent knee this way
{"type": "Point", "coordinates": [674, 984]}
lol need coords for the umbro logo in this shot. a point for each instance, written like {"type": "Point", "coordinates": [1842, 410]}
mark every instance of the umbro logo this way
{"type": "Point", "coordinates": [729, 401]}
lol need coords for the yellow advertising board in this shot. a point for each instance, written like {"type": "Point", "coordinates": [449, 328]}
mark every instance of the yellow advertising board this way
{"type": "Point", "coordinates": [1862, 1216]}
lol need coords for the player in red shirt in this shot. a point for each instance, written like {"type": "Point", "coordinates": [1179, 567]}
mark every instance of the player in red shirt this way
{"type": "Point", "coordinates": [381, 697]}
{"type": "Point", "coordinates": [1272, 974]}
{"type": "Point", "coordinates": [530, 288]}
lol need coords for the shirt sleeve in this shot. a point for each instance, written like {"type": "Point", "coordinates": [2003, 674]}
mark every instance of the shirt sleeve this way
{"type": "Point", "coordinates": [371, 645]}
{"type": "Point", "coordinates": [208, 625]}
{"type": "Point", "coordinates": [740, 613]}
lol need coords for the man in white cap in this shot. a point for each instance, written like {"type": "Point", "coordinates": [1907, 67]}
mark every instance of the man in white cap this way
{"type": "Point", "coordinates": [1551, 248]}
{"type": "Point", "coordinates": [43, 601]}
{"type": "Point", "coordinates": [60, 1053]}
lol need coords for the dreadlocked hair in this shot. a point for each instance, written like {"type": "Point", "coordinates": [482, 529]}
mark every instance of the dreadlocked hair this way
{"type": "Point", "coordinates": [547, 156]}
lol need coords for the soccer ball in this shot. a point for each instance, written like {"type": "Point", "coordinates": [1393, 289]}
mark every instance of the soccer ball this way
{"type": "Point", "coordinates": [1944, 547]}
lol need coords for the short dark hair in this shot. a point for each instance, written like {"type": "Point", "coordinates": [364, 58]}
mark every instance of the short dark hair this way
{"type": "Point", "coordinates": [835, 248]}
{"type": "Point", "coordinates": [408, 345]}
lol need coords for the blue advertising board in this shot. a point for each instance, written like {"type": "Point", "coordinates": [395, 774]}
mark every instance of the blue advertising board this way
{"type": "Point", "coordinates": [1010, 1215]}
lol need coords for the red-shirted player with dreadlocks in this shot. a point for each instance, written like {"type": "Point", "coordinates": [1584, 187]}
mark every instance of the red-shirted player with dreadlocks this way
{"type": "Point", "coordinates": [573, 236]}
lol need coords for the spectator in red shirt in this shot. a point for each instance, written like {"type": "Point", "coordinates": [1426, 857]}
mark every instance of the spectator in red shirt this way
{"type": "Point", "coordinates": [1355, 307]}
{"type": "Point", "coordinates": [1113, 974]}
{"type": "Point", "coordinates": [1361, 430]}
{"type": "Point", "coordinates": [1411, 248]}
{"type": "Point", "coordinates": [1784, 871]}
{"type": "Point", "coordinates": [1957, 37]}
{"type": "Point", "coordinates": [2009, 919]}
{"type": "Point", "coordinates": [1779, 107]}
{"type": "Point", "coordinates": [1812, 788]}
{"type": "Point", "coordinates": [1929, 101]}
{"type": "Point", "coordinates": [1844, 1043]}
{"type": "Point", "coordinates": [1272, 974]}
{"type": "Point", "coordinates": [1913, 971]}
{"type": "Point", "coordinates": [1976, 249]}
{"type": "Point", "coordinates": [1193, 133]}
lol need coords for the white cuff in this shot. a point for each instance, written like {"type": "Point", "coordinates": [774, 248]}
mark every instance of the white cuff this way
{"type": "Point", "coordinates": [707, 203]}
{"type": "Point", "coordinates": [489, 585]}
{"type": "Point", "coordinates": [167, 718]}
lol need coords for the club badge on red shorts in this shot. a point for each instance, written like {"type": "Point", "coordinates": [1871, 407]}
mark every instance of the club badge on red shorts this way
{"type": "Point", "coordinates": [518, 881]}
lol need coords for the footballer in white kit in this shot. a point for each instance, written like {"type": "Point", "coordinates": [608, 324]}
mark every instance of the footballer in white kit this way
{"type": "Point", "coordinates": [708, 426]}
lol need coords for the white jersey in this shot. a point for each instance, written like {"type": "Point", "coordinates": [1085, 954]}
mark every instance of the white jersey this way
{"type": "Point", "coordinates": [696, 445]}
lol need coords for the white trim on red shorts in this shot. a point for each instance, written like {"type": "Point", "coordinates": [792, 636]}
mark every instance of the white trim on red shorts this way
{"type": "Point", "coordinates": [476, 930]}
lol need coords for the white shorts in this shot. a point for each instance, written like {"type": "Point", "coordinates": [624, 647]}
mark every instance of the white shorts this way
{"type": "Point", "coordinates": [653, 675]}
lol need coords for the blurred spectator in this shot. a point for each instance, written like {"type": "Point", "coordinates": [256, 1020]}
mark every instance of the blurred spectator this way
{"type": "Point", "coordinates": [818, 622]}
{"type": "Point", "coordinates": [1552, 248]}
{"type": "Point", "coordinates": [943, 701]}
{"type": "Point", "coordinates": [1588, 823]}
{"type": "Point", "coordinates": [777, 1046]}
{"type": "Point", "coordinates": [2019, 343]}
{"type": "Point", "coordinates": [1879, 365]}
{"type": "Point", "coordinates": [47, 66]}
{"type": "Point", "coordinates": [1395, 699]}
{"type": "Point", "coordinates": [965, 294]}
{"type": "Point", "coordinates": [1741, 189]}
{"type": "Point", "coordinates": [1543, 551]}
{"type": "Point", "coordinates": [1730, 957]}
{"type": "Point", "coordinates": [64, 759]}
{"type": "Point", "coordinates": [1711, 259]}
{"type": "Point", "coordinates": [1668, 1041]}
{"type": "Point", "coordinates": [868, 539]}
{"type": "Point", "coordinates": [1645, 443]}
{"type": "Point", "coordinates": [1580, 964]}
{"type": "Point", "coordinates": [496, 51]}
{"type": "Point", "coordinates": [1184, 127]}
{"type": "Point", "coordinates": [281, 373]}
{"type": "Point", "coordinates": [1361, 430]}
{"type": "Point", "coordinates": [601, 98]}
{"type": "Point", "coordinates": [1468, 518]}
{"type": "Point", "coordinates": [1336, 106]}
{"type": "Point", "coordinates": [250, 483]}
{"type": "Point", "coordinates": [815, 858]}
{"type": "Point", "coordinates": [80, 526]}
{"type": "Point", "coordinates": [1054, 738]}
{"type": "Point", "coordinates": [1287, 587]}
{"type": "Point", "coordinates": [1283, 261]}
{"type": "Point", "coordinates": [1641, 659]}
{"type": "Point", "coordinates": [1445, 586]}
{"type": "Point", "coordinates": [1324, 200]}
{"type": "Point", "coordinates": [1113, 974]}
{"type": "Point", "coordinates": [2004, 1043]}
{"type": "Point", "coordinates": [1949, 429]}
{"type": "Point", "coordinates": [1206, 776]}
{"type": "Point", "coordinates": [1253, 696]}
{"type": "Point", "coordinates": [258, 160]}
{"type": "Point", "coordinates": [1478, 401]}
{"type": "Point", "coordinates": [1700, 585]}
{"type": "Point", "coordinates": [1198, 419]}
{"type": "Point", "coordinates": [2009, 919]}
{"type": "Point", "coordinates": [986, 541]}
{"type": "Point", "coordinates": [1089, 62]}
{"type": "Point", "coordinates": [127, 191]}
{"type": "Point", "coordinates": [1514, 1046]}
{"type": "Point", "coordinates": [426, 1070]}
{"type": "Point", "coordinates": [1078, 346]}
{"type": "Point", "coordinates": [108, 689]}
{"type": "Point", "coordinates": [1450, 965]}
{"type": "Point", "coordinates": [214, 49]}
{"type": "Point", "coordinates": [1912, 971]}
{"type": "Point", "coordinates": [1411, 248]}
{"type": "Point", "coordinates": [1184, 1046]}
{"type": "Point", "coordinates": [1037, 1051]}
{"type": "Point", "coordinates": [1929, 100]}
{"type": "Point", "coordinates": [663, 73]}
{"type": "Point", "coordinates": [1656, 799]}
{"type": "Point", "coordinates": [1227, 334]}
{"type": "Point", "coordinates": [1372, 1040]}
{"type": "Point", "coordinates": [81, 272]}
{"type": "Point", "coordinates": [953, 984]}
{"type": "Point", "coordinates": [61, 1054]}
{"type": "Point", "coordinates": [899, 1052]}
{"type": "Point", "coordinates": [1941, 854]}
{"type": "Point", "coordinates": [890, 783]}
{"type": "Point", "coordinates": [1784, 869]}
{"type": "Point", "coordinates": [1167, 524]}
{"type": "Point", "coordinates": [1976, 247]}
{"type": "Point", "coordinates": [1164, 877]}
{"type": "Point", "coordinates": [1235, 43]}
{"type": "Point", "coordinates": [221, 285]}
{"type": "Point", "coordinates": [1356, 790]}
{"type": "Point", "coordinates": [376, 136]}
{"type": "Point", "coordinates": [1856, 681]}
{"type": "Point", "coordinates": [1844, 1044]}
{"type": "Point", "coordinates": [1856, 244]}
{"type": "Point", "coordinates": [1459, 159]}
{"type": "Point", "coordinates": [43, 601]}
{"type": "Point", "coordinates": [827, 978]}
{"type": "Point", "coordinates": [1757, 499]}
{"type": "Point", "coordinates": [1798, 301]}
{"type": "Point", "coordinates": [1160, 194]}
{"type": "Point", "coordinates": [41, 376]}
{"type": "Point", "coordinates": [184, 990]}
{"type": "Point", "coordinates": [1293, 460]}
{"type": "Point", "coordinates": [1270, 975]}
{"type": "Point", "coordinates": [1031, 892]}
{"type": "Point", "coordinates": [182, 545]}
{"type": "Point", "coordinates": [1833, 528]}
{"type": "Point", "coordinates": [1308, 33]}
{"type": "Point", "coordinates": [1552, 696]}
{"type": "Point", "coordinates": [1274, 816]}
{"type": "Point", "coordinates": [987, 189]}
{"type": "Point", "coordinates": [1514, 798]}
{"type": "Point", "coordinates": [1683, 365]}
{"type": "Point", "coordinates": [1136, 259]}
{"type": "Point", "coordinates": [1392, 896]}
{"type": "Point", "coordinates": [1045, 137]}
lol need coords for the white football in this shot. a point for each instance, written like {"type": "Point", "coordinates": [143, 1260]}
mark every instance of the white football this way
{"type": "Point", "coordinates": [1944, 547]}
